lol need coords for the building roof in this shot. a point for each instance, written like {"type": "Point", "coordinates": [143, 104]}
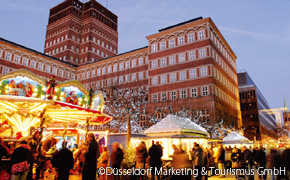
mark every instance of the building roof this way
{"type": "Point", "coordinates": [235, 137]}
{"type": "Point", "coordinates": [34, 51]}
{"type": "Point", "coordinates": [175, 124]}
{"type": "Point", "coordinates": [179, 24]}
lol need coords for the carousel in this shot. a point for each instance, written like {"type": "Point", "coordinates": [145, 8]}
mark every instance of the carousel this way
{"type": "Point", "coordinates": [29, 102]}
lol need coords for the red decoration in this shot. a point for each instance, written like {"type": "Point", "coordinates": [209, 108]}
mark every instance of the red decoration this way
{"type": "Point", "coordinates": [18, 135]}
{"type": "Point", "coordinates": [51, 87]}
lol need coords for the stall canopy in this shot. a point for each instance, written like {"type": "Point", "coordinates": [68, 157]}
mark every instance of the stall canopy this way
{"type": "Point", "coordinates": [175, 126]}
{"type": "Point", "coordinates": [24, 96]}
{"type": "Point", "coordinates": [235, 138]}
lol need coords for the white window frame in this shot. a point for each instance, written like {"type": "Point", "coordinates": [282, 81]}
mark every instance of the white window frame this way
{"type": "Point", "coordinates": [154, 81]}
{"type": "Point", "coordinates": [163, 62]}
{"type": "Point", "coordinates": [134, 63]}
{"type": "Point", "coordinates": [154, 48]}
{"type": "Point", "coordinates": [16, 58]}
{"type": "Point", "coordinates": [182, 75]}
{"type": "Point", "coordinates": [121, 79]}
{"type": "Point", "coordinates": [121, 66]}
{"type": "Point", "coordinates": [171, 43]}
{"type": "Point", "coordinates": [190, 37]}
{"type": "Point", "coordinates": [40, 66]}
{"type": "Point", "coordinates": [32, 64]}
{"type": "Point", "coordinates": [141, 61]}
{"type": "Point", "coordinates": [183, 94]}
{"type": "Point", "coordinates": [8, 56]}
{"type": "Point", "coordinates": [163, 97]}
{"type": "Point", "coordinates": [205, 91]}
{"type": "Point", "coordinates": [154, 64]}
{"type": "Point", "coordinates": [191, 55]}
{"type": "Point", "coordinates": [202, 53]}
{"type": "Point", "coordinates": [134, 77]}
{"type": "Point", "coordinates": [203, 71]}
{"type": "Point", "coordinates": [104, 70]}
{"type": "Point", "coordinates": [54, 70]}
{"type": "Point", "coordinates": [154, 98]}
{"type": "Point", "coordinates": [193, 92]}
{"type": "Point", "coordinates": [5, 70]}
{"type": "Point", "coordinates": [192, 73]}
{"type": "Point", "coordinates": [115, 68]}
{"type": "Point", "coordinates": [181, 40]}
{"type": "Point", "coordinates": [127, 64]}
{"type": "Point", "coordinates": [163, 79]}
{"type": "Point", "coordinates": [162, 45]}
{"type": "Point", "coordinates": [172, 60]}
{"type": "Point", "coordinates": [181, 57]}
{"type": "Point", "coordinates": [48, 68]}
{"type": "Point", "coordinates": [109, 69]}
{"type": "Point", "coordinates": [201, 35]}
{"type": "Point", "coordinates": [141, 75]}
{"type": "Point", "coordinates": [173, 77]}
{"type": "Point", "coordinates": [173, 95]}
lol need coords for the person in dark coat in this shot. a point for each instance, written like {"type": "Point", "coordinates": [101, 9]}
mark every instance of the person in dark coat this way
{"type": "Point", "coordinates": [260, 158]}
{"type": "Point", "coordinates": [247, 160]}
{"type": "Point", "coordinates": [221, 159]}
{"type": "Point", "coordinates": [141, 155]}
{"type": "Point", "coordinates": [21, 153]}
{"type": "Point", "coordinates": [91, 156]}
{"type": "Point", "coordinates": [64, 161]}
{"type": "Point", "coordinates": [155, 153]}
{"type": "Point", "coordinates": [198, 158]}
{"type": "Point", "coordinates": [33, 143]}
{"type": "Point", "coordinates": [285, 159]}
{"type": "Point", "coordinates": [117, 157]}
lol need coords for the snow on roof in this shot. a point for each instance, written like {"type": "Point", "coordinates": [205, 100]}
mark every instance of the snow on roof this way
{"type": "Point", "coordinates": [172, 123]}
{"type": "Point", "coordinates": [235, 137]}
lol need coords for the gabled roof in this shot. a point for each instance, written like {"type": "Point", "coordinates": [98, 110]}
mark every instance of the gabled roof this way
{"type": "Point", "coordinates": [176, 125]}
{"type": "Point", "coordinates": [235, 137]}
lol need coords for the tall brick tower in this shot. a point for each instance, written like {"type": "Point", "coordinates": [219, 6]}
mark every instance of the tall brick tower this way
{"type": "Point", "coordinates": [79, 33]}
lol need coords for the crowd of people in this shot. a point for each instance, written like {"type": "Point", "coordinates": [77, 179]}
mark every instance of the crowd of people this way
{"type": "Point", "coordinates": [88, 158]}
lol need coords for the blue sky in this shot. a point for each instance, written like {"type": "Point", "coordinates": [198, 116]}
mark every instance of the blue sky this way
{"type": "Point", "coordinates": [258, 31]}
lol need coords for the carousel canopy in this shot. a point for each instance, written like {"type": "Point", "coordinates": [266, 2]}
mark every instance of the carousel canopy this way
{"type": "Point", "coordinates": [234, 138]}
{"type": "Point", "coordinates": [174, 125]}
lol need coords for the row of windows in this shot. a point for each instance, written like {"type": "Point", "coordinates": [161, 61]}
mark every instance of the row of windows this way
{"type": "Point", "coordinates": [171, 60]}
{"type": "Point", "coordinates": [215, 39]}
{"type": "Point", "coordinates": [37, 65]}
{"type": "Point", "coordinates": [180, 40]}
{"type": "Point", "coordinates": [248, 95]}
{"type": "Point", "coordinates": [226, 98]}
{"type": "Point", "coordinates": [115, 68]}
{"type": "Point", "coordinates": [179, 76]}
{"type": "Point", "coordinates": [77, 27]}
{"type": "Point", "coordinates": [224, 66]}
{"type": "Point", "coordinates": [223, 80]}
{"type": "Point", "coordinates": [180, 94]}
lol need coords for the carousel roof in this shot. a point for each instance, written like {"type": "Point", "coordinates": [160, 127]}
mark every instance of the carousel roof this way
{"type": "Point", "coordinates": [235, 137]}
{"type": "Point", "coordinates": [173, 124]}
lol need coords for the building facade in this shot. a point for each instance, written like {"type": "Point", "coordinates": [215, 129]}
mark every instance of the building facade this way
{"type": "Point", "coordinates": [259, 125]}
{"type": "Point", "coordinates": [188, 65]}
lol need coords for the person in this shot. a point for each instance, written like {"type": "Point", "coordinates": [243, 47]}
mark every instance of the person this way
{"type": "Point", "coordinates": [247, 159]}
{"type": "Point", "coordinates": [260, 158]}
{"type": "Point", "coordinates": [64, 161]}
{"type": "Point", "coordinates": [33, 144]}
{"type": "Point", "coordinates": [285, 159]}
{"type": "Point", "coordinates": [103, 161]}
{"type": "Point", "coordinates": [155, 153]}
{"type": "Point", "coordinates": [181, 161]}
{"type": "Point", "coordinates": [79, 157]}
{"type": "Point", "coordinates": [4, 151]}
{"type": "Point", "coordinates": [210, 160]}
{"type": "Point", "coordinates": [175, 149]}
{"type": "Point", "coordinates": [221, 160]}
{"type": "Point", "coordinates": [273, 161]}
{"type": "Point", "coordinates": [20, 155]}
{"type": "Point", "coordinates": [75, 148]}
{"type": "Point", "coordinates": [117, 157]}
{"type": "Point", "coordinates": [141, 155]}
{"type": "Point", "coordinates": [91, 156]}
{"type": "Point", "coordinates": [198, 160]}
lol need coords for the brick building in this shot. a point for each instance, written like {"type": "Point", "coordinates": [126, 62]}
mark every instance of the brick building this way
{"type": "Point", "coordinates": [188, 65]}
{"type": "Point", "coordinates": [259, 125]}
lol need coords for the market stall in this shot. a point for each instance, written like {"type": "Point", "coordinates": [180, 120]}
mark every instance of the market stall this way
{"type": "Point", "coordinates": [24, 97]}
{"type": "Point", "coordinates": [176, 130]}
{"type": "Point", "coordinates": [236, 139]}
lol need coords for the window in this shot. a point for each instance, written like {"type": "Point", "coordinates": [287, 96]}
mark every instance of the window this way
{"type": "Point", "coordinates": [93, 73]}
{"type": "Point", "coordinates": [163, 45]}
{"type": "Point", "coordinates": [93, 59]}
{"type": "Point", "coordinates": [134, 77]}
{"type": "Point", "coordinates": [140, 75]}
{"type": "Point", "coordinates": [127, 64]}
{"type": "Point", "coordinates": [181, 40]}
{"type": "Point", "coordinates": [83, 75]}
{"type": "Point", "coordinates": [172, 77]}
{"type": "Point", "coordinates": [154, 64]}
{"type": "Point", "coordinates": [121, 66]}
{"type": "Point", "coordinates": [191, 37]}
{"type": "Point", "coordinates": [182, 94]}
{"type": "Point", "coordinates": [88, 74]}
{"type": "Point", "coordinates": [194, 92]}
{"type": "Point", "coordinates": [181, 58]}
{"type": "Point", "coordinates": [201, 53]}
{"type": "Point", "coordinates": [40, 66]}
{"type": "Point", "coordinates": [16, 58]}
{"type": "Point", "coordinates": [32, 64]}
{"type": "Point", "coordinates": [163, 97]}
{"type": "Point", "coordinates": [154, 81]}
{"type": "Point", "coordinates": [115, 80]}
{"type": "Point", "coordinates": [203, 71]}
{"type": "Point", "coordinates": [182, 75]}
{"type": "Point", "coordinates": [121, 79]}
{"type": "Point", "coordinates": [73, 76]}
{"type": "Point", "coordinates": [5, 70]}
{"type": "Point", "coordinates": [109, 69]}
{"type": "Point", "coordinates": [104, 70]}
{"type": "Point", "coordinates": [25, 61]}
{"type": "Point", "coordinates": [134, 63]}
{"type": "Point", "coordinates": [54, 70]}
{"type": "Point", "coordinates": [99, 72]}
{"type": "Point", "coordinates": [154, 47]}
{"type": "Point", "coordinates": [127, 78]}
{"type": "Point", "coordinates": [154, 98]}
{"type": "Point", "coordinates": [1, 52]}
{"type": "Point", "coordinates": [201, 34]}
{"type": "Point", "coordinates": [8, 56]}
{"type": "Point", "coordinates": [192, 73]}
{"type": "Point", "coordinates": [47, 68]}
{"type": "Point", "coordinates": [109, 82]}
{"type": "Point", "coordinates": [205, 91]}
{"type": "Point", "coordinates": [115, 67]}
{"type": "Point", "coordinates": [191, 55]}
{"type": "Point", "coordinates": [172, 60]}
{"type": "Point", "coordinates": [163, 79]}
{"type": "Point", "coordinates": [171, 43]}
{"type": "Point", "coordinates": [173, 95]}
{"type": "Point", "coordinates": [163, 62]}
{"type": "Point", "coordinates": [141, 61]}
{"type": "Point", "coordinates": [61, 73]}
